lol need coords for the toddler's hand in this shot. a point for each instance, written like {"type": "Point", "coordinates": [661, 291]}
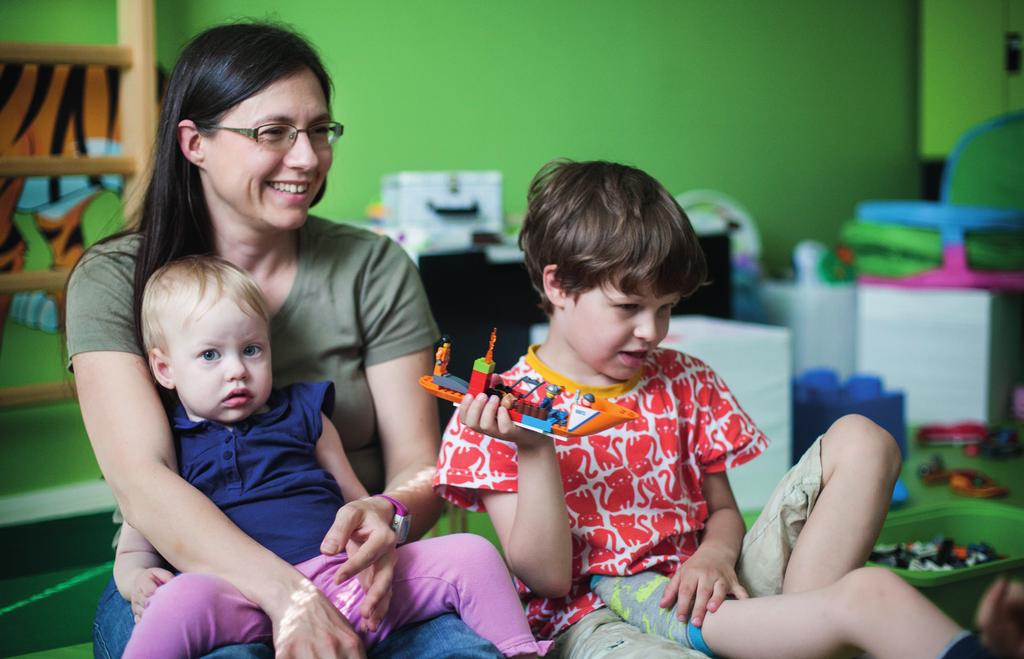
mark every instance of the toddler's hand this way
{"type": "Point", "coordinates": [145, 584]}
{"type": "Point", "coordinates": [700, 585]}
{"type": "Point", "coordinates": [486, 415]}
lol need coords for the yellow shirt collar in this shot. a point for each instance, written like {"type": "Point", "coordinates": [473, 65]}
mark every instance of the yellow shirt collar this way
{"type": "Point", "coordinates": [608, 391]}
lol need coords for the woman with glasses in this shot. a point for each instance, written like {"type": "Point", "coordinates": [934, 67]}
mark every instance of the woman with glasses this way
{"type": "Point", "coordinates": [243, 148]}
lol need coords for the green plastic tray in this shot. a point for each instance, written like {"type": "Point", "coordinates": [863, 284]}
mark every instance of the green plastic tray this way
{"type": "Point", "coordinates": [958, 591]}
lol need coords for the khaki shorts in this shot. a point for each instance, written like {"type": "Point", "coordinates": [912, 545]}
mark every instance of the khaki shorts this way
{"type": "Point", "coordinates": [762, 566]}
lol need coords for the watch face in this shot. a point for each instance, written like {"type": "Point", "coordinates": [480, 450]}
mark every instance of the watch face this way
{"type": "Point", "coordinates": [400, 525]}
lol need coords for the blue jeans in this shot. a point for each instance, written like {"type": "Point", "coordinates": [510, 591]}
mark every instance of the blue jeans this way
{"type": "Point", "coordinates": [444, 636]}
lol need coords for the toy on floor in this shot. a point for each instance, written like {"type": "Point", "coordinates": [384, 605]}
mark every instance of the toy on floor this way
{"type": "Point", "coordinates": [1000, 443]}
{"type": "Point", "coordinates": [976, 438]}
{"type": "Point", "coordinates": [939, 554]}
{"type": "Point", "coordinates": [934, 471]}
{"type": "Point", "coordinates": [973, 483]}
{"type": "Point", "coordinates": [900, 494]}
{"type": "Point", "coordinates": [955, 434]}
{"type": "Point", "coordinates": [586, 414]}
{"type": "Point", "coordinates": [967, 482]}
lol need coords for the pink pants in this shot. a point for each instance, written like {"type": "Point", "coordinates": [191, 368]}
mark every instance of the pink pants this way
{"type": "Point", "coordinates": [462, 573]}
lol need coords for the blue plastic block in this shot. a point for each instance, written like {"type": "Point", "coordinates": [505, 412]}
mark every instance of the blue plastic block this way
{"type": "Point", "coordinates": [534, 422]}
{"type": "Point", "coordinates": [819, 399]}
{"type": "Point", "coordinates": [900, 494]}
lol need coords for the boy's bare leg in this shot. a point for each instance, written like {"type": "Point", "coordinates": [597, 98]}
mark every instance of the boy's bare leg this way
{"type": "Point", "coordinates": [860, 463]}
{"type": "Point", "coordinates": [870, 609]}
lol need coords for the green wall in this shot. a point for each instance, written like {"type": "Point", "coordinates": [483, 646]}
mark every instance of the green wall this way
{"type": "Point", "coordinates": [797, 109]}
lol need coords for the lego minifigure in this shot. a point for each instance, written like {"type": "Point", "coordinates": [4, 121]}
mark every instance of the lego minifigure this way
{"type": "Point", "coordinates": [442, 355]}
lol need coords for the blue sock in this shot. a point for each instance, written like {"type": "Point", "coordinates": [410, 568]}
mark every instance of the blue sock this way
{"type": "Point", "coordinates": [696, 638]}
{"type": "Point", "coordinates": [965, 645]}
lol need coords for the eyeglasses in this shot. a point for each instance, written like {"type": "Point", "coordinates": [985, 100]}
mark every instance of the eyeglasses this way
{"type": "Point", "coordinates": [282, 136]}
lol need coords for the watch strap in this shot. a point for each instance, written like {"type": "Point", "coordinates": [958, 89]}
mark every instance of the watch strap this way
{"type": "Point", "coordinates": [400, 508]}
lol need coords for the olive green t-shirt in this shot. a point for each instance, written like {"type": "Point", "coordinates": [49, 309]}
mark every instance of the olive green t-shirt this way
{"type": "Point", "coordinates": [357, 300]}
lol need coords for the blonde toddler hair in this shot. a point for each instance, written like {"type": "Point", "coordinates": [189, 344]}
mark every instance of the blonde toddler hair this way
{"type": "Point", "coordinates": [184, 284]}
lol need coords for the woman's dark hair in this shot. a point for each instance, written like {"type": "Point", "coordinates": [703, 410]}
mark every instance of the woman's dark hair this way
{"type": "Point", "coordinates": [216, 71]}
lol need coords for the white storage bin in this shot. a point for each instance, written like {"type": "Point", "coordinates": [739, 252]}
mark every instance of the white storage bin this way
{"type": "Point", "coordinates": [821, 317]}
{"type": "Point", "coordinates": [955, 353]}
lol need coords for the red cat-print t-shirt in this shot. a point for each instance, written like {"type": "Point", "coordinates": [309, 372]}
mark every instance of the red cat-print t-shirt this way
{"type": "Point", "coordinates": [633, 492]}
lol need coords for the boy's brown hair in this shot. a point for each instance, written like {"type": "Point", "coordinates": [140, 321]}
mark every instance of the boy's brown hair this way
{"type": "Point", "coordinates": [604, 223]}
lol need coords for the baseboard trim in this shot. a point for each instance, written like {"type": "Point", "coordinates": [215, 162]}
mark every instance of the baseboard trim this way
{"type": "Point", "coordinates": [56, 502]}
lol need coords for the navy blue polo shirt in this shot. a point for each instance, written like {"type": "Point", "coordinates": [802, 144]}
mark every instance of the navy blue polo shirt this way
{"type": "Point", "coordinates": [263, 473]}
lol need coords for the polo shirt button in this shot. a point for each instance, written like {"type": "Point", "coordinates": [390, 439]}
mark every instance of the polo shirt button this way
{"type": "Point", "coordinates": [227, 455]}
{"type": "Point", "coordinates": [227, 439]}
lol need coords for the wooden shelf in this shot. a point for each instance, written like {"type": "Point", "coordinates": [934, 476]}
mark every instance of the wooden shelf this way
{"type": "Point", "coordinates": [135, 56]}
{"type": "Point", "coordinates": [12, 52]}
{"type": "Point", "coordinates": [37, 394]}
{"type": "Point", "coordinates": [36, 280]}
{"type": "Point", "coordinates": [15, 166]}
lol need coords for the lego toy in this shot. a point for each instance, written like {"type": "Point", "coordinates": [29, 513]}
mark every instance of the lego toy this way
{"type": "Point", "coordinates": [934, 471]}
{"type": "Point", "coordinates": [819, 399]}
{"type": "Point", "coordinates": [998, 444]}
{"type": "Point", "coordinates": [939, 554]}
{"type": "Point", "coordinates": [555, 415]}
{"type": "Point", "coordinates": [900, 494]}
{"type": "Point", "coordinates": [973, 483]}
{"type": "Point", "coordinates": [442, 355]}
{"type": "Point", "coordinates": [976, 438]}
{"type": "Point", "coordinates": [967, 482]}
{"type": "Point", "coordinates": [586, 414]}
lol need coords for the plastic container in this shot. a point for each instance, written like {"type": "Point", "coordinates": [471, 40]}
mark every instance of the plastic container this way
{"type": "Point", "coordinates": [819, 399]}
{"type": "Point", "coordinates": [958, 591]}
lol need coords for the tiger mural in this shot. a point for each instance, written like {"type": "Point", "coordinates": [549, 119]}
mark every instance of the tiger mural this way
{"type": "Point", "coordinates": [47, 222]}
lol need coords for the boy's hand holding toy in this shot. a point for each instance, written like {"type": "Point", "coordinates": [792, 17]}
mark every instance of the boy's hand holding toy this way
{"type": "Point", "coordinates": [486, 415]}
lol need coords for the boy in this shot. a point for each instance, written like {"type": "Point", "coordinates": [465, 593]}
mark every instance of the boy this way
{"type": "Point", "coordinates": [272, 462]}
{"type": "Point", "coordinates": [611, 253]}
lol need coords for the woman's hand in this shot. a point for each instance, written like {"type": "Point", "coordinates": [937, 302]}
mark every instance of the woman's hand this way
{"type": "Point", "coordinates": [486, 415]}
{"type": "Point", "coordinates": [701, 584]}
{"type": "Point", "coordinates": [144, 585]}
{"type": "Point", "coordinates": [310, 626]}
{"type": "Point", "coordinates": [363, 528]}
